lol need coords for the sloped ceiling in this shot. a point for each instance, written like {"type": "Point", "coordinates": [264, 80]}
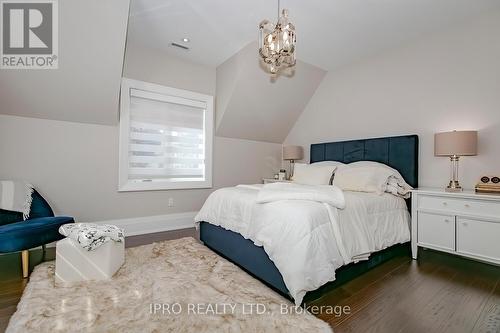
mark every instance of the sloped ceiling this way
{"type": "Point", "coordinates": [251, 105]}
{"type": "Point", "coordinates": [86, 86]}
{"type": "Point", "coordinates": [330, 33]}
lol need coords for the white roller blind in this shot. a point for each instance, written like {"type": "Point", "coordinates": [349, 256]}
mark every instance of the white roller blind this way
{"type": "Point", "coordinates": [166, 137]}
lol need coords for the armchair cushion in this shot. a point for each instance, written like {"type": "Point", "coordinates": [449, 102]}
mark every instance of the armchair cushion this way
{"type": "Point", "coordinates": [31, 233]}
{"type": "Point", "coordinates": [8, 216]}
{"type": "Point", "coordinates": [39, 208]}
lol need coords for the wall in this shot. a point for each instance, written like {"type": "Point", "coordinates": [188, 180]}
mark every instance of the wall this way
{"type": "Point", "coordinates": [157, 67]}
{"type": "Point", "coordinates": [447, 81]}
{"type": "Point", "coordinates": [253, 105]}
{"type": "Point", "coordinates": [75, 165]}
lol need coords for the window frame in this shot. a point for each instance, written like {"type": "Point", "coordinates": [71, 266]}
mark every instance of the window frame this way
{"type": "Point", "coordinates": [127, 185]}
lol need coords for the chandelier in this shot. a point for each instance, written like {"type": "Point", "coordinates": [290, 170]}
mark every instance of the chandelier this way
{"type": "Point", "coordinates": [277, 43]}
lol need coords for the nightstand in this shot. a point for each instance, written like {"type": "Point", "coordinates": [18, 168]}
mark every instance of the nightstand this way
{"type": "Point", "coordinates": [461, 223]}
{"type": "Point", "coordinates": [272, 180]}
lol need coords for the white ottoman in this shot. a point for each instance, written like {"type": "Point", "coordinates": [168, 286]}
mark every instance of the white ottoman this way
{"type": "Point", "coordinates": [73, 263]}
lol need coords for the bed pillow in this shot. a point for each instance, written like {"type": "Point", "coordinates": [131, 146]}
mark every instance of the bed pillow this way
{"type": "Point", "coordinates": [374, 177]}
{"type": "Point", "coordinates": [313, 174]}
{"type": "Point", "coordinates": [328, 163]}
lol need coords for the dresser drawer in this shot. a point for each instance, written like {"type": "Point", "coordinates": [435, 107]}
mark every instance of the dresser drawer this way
{"type": "Point", "coordinates": [460, 206]}
{"type": "Point", "coordinates": [478, 238]}
{"type": "Point", "coordinates": [436, 230]}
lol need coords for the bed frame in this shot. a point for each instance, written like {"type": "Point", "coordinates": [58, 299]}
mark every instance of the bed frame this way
{"type": "Point", "coordinates": [399, 152]}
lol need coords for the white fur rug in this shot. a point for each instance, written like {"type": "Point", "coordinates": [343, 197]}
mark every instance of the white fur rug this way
{"type": "Point", "coordinates": [173, 286]}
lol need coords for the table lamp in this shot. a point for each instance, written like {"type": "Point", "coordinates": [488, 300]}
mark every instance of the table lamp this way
{"type": "Point", "coordinates": [292, 153]}
{"type": "Point", "coordinates": [455, 144]}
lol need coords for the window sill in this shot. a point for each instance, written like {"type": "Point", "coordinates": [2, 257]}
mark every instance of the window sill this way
{"type": "Point", "coordinates": [163, 186]}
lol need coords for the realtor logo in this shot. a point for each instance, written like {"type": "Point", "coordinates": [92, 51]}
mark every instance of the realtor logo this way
{"type": "Point", "coordinates": [29, 34]}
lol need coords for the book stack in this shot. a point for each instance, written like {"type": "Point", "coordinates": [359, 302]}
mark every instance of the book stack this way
{"type": "Point", "coordinates": [488, 188]}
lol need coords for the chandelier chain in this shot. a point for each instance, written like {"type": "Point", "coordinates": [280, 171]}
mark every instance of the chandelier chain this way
{"type": "Point", "coordinates": [278, 11]}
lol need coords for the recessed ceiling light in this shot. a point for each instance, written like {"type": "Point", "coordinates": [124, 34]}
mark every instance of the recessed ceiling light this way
{"type": "Point", "coordinates": [185, 40]}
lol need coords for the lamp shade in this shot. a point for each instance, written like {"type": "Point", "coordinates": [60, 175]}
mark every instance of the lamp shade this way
{"type": "Point", "coordinates": [293, 153]}
{"type": "Point", "coordinates": [460, 143]}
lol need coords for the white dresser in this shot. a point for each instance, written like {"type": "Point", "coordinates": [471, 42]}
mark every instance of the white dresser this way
{"type": "Point", "coordinates": [465, 223]}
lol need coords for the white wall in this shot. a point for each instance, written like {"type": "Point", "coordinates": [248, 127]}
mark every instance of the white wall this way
{"type": "Point", "coordinates": [255, 106]}
{"type": "Point", "coordinates": [75, 165]}
{"type": "Point", "coordinates": [154, 66]}
{"type": "Point", "coordinates": [447, 81]}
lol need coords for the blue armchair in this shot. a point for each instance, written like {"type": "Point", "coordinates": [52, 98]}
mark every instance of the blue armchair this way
{"type": "Point", "coordinates": [40, 229]}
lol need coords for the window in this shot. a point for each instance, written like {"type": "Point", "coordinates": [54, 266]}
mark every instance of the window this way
{"type": "Point", "coordinates": [165, 138]}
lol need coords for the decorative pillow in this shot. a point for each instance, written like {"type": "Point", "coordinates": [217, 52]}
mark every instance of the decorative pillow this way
{"type": "Point", "coordinates": [313, 174]}
{"type": "Point", "coordinates": [398, 187]}
{"type": "Point", "coordinates": [368, 176]}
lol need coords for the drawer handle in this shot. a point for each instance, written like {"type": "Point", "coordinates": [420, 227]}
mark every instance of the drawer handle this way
{"type": "Point", "coordinates": [466, 205]}
{"type": "Point", "coordinates": [445, 203]}
{"type": "Point", "coordinates": [447, 221]}
{"type": "Point", "coordinates": [464, 224]}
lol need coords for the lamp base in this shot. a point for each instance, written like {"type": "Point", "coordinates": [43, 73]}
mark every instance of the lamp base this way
{"type": "Point", "coordinates": [454, 186]}
{"type": "Point", "coordinates": [292, 167]}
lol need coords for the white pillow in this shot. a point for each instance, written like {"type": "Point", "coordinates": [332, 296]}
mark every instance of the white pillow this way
{"type": "Point", "coordinates": [359, 164]}
{"type": "Point", "coordinates": [368, 176]}
{"type": "Point", "coordinates": [313, 174]}
{"type": "Point", "coordinates": [328, 163]}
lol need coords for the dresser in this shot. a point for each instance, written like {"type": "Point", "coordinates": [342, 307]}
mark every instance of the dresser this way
{"type": "Point", "coordinates": [464, 223]}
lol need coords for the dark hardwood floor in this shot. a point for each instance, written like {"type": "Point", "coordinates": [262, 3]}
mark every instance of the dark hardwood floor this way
{"type": "Point", "coordinates": [437, 293]}
{"type": "Point", "coordinates": [11, 282]}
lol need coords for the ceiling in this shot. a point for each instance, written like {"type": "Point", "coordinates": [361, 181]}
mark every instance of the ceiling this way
{"type": "Point", "coordinates": [85, 88]}
{"type": "Point", "coordinates": [330, 33]}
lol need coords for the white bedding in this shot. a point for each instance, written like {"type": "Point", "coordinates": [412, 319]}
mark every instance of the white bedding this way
{"type": "Point", "coordinates": [306, 239]}
{"type": "Point", "coordinates": [372, 222]}
{"type": "Point", "coordinates": [328, 194]}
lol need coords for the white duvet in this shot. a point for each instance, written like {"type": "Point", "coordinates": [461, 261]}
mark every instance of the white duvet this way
{"type": "Point", "coordinates": [309, 231]}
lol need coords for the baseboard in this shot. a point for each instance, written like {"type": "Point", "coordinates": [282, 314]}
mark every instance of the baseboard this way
{"type": "Point", "coordinates": [132, 241]}
{"type": "Point", "coordinates": [151, 224]}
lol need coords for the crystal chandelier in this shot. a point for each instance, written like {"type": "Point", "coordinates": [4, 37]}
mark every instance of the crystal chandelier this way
{"type": "Point", "coordinates": [277, 43]}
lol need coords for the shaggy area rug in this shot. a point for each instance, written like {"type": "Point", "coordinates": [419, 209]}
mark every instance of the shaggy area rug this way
{"type": "Point", "coordinates": [172, 286]}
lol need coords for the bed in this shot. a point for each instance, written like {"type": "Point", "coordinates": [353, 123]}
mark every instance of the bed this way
{"type": "Point", "coordinates": [400, 153]}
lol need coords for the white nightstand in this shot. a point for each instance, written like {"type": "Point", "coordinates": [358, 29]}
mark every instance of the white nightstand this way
{"type": "Point", "coordinates": [463, 223]}
{"type": "Point", "coordinates": [272, 180]}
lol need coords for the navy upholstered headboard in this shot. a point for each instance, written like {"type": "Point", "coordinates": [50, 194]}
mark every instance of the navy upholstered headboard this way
{"type": "Point", "coordinates": [398, 152]}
